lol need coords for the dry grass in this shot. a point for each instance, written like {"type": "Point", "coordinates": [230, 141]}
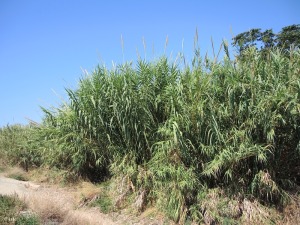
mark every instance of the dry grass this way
{"type": "Point", "coordinates": [85, 190]}
{"type": "Point", "coordinates": [56, 204]}
{"type": "Point", "coordinates": [3, 165]}
{"type": "Point", "coordinates": [292, 212]}
{"type": "Point", "coordinates": [88, 216]}
{"type": "Point", "coordinates": [255, 213]}
{"type": "Point", "coordinates": [50, 205]}
{"type": "Point", "coordinates": [53, 176]}
{"type": "Point", "coordinates": [16, 173]}
{"type": "Point", "coordinates": [8, 170]}
{"type": "Point", "coordinates": [59, 204]}
{"type": "Point", "coordinates": [61, 207]}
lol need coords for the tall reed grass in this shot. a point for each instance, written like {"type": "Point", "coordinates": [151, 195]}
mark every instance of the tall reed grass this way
{"type": "Point", "coordinates": [176, 131]}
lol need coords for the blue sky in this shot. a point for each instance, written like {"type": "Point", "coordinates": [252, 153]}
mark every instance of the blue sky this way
{"type": "Point", "coordinates": [45, 45]}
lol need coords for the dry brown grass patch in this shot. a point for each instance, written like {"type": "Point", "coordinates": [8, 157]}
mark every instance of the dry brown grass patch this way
{"type": "Point", "coordinates": [87, 216]}
{"type": "Point", "coordinates": [292, 212]}
{"type": "Point", "coordinates": [85, 190]}
{"type": "Point", "coordinates": [255, 213]}
{"type": "Point", "coordinates": [49, 205]}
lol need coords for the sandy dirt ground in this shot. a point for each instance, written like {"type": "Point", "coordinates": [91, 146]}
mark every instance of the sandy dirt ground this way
{"type": "Point", "coordinates": [61, 204]}
{"type": "Point", "coordinates": [10, 186]}
{"type": "Point", "coordinates": [53, 202]}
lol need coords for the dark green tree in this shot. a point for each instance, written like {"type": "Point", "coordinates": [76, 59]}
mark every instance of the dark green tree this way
{"type": "Point", "coordinates": [267, 38]}
{"type": "Point", "coordinates": [246, 39]}
{"type": "Point", "coordinates": [289, 36]}
{"type": "Point", "coordinates": [263, 41]}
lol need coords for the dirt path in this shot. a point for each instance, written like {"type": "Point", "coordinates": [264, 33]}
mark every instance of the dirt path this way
{"type": "Point", "coordinates": [53, 205]}
{"type": "Point", "coordinates": [60, 206]}
{"type": "Point", "coordinates": [10, 186]}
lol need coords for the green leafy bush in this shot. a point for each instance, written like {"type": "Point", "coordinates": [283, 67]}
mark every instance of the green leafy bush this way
{"type": "Point", "coordinates": [10, 206]}
{"type": "Point", "coordinates": [27, 220]}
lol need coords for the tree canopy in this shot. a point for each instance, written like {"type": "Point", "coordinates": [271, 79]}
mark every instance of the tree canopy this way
{"type": "Point", "coordinates": [288, 37]}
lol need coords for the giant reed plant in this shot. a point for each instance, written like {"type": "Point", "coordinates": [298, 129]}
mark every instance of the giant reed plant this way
{"type": "Point", "coordinates": [175, 130]}
{"type": "Point", "coordinates": [17, 145]}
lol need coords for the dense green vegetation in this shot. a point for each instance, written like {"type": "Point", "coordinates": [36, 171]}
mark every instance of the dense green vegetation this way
{"type": "Point", "coordinates": [179, 134]}
{"type": "Point", "coordinates": [10, 208]}
{"type": "Point", "coordinates": [17, 146]}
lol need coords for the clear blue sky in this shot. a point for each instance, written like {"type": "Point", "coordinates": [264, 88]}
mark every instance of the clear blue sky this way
{"type": "Point", "coordinates": [44, 45]}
